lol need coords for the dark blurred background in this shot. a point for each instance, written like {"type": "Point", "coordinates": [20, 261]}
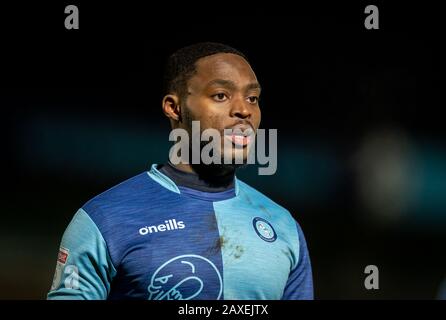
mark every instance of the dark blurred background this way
{"type": "Point", "coordinates": [361, 134]}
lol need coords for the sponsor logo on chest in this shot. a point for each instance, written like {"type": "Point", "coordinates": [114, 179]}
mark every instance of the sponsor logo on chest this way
{"type": "Point", "coordinates": [168, 225]}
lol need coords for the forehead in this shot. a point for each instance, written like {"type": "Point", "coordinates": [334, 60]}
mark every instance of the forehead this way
{"type": "Point", "coordinates": [226, 66]}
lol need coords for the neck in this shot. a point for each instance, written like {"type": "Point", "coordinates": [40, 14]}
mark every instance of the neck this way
{"type": "Point", "coordinates": [212, 172]}
{"type": "Point", "coordinates": [208, 178]}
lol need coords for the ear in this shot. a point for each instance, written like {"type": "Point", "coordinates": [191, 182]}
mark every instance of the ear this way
{"type": "Point", "coordinates": [171, 107]}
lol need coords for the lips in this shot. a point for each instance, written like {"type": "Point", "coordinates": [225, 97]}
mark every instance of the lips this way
{"type": "Point", "coordinates": [240, 135]}
{"type": "Point", "coordinates": [240, 140]}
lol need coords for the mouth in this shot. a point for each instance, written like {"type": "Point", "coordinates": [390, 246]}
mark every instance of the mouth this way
{"type": "Point", "coordinates": [240, 135]}
{"type": "Point", "coordinates": [239, 140]}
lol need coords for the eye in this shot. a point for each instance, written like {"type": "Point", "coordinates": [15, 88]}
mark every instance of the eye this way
{"type": "Point", "coordinates": [253, 99]}
{"type": "Point", "coordinates": [220, 97]}
{"type": "Point", "coordinates": [164, 279]}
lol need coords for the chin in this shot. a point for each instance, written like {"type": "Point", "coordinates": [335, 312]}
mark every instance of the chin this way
{"type": "Point", "coordinates": [237, 155]}
{"type": "Point", "coordinates": [225, 167]}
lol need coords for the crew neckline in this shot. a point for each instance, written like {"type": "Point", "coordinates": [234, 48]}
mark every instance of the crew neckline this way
{"type": "Point", "coordinates": [168, 182]}
{"type": "Point", "coordinates": [192, 180]}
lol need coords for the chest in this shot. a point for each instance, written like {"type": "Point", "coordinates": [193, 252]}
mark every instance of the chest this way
{"type": "Point", "coordinates": [204, 255]}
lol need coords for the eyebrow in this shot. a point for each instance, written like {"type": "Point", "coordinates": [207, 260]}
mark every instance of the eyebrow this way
{"type": "Point", "coordinates": [231, 85]}
{"type": "Point", "coordinates": [253, 86]}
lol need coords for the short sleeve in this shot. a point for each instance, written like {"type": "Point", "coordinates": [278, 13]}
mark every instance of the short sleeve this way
{"type": "Point", "coordinates": [84, 270]}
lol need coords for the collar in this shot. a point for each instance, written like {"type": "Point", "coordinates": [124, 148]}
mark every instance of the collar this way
{"type": "Point", "coordinates": [169, 184]}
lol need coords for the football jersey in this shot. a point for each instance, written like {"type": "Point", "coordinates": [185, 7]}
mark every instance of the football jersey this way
{"type": "Point", "coordinates": [148, 238]}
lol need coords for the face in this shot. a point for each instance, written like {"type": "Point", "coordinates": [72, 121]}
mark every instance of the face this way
{"type": "Point", "coordinates": [224, 94]}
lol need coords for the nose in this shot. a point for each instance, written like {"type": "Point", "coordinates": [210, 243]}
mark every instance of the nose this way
{"type": "Point", "coordinates": [240, 109]}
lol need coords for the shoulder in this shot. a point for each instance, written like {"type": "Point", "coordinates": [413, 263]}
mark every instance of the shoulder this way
{"type": "Point", "coordinates": [264, 202]}
{"type": "Point", "coordinates": [130, 195]}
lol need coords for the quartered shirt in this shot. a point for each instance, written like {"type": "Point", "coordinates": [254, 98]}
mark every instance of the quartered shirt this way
{"type": "Point", "coordinates": [148, 238]}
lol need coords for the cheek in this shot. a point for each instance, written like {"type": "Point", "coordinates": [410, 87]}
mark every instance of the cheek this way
{"type": "Point", "coordinates": [257, 118]}
{"type": "Point", "coordinates": [216, 121]}
{"type": "Point", "coordinates": [213, 118]}
{"type": "Point", "coordinates": [204, 112]}
{"type": "Point", "coordinates": [207, 121]}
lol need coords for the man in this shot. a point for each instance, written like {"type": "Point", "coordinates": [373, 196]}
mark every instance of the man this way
{"type": "Point", "coordinates": [189, 230]}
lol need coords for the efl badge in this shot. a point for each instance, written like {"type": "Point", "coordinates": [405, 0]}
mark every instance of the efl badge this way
{"type": "Point", "coordinates": [61, 261]}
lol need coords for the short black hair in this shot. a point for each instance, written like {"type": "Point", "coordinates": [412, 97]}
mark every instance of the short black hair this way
{"type": "Point", "coordinates": [181, 65]}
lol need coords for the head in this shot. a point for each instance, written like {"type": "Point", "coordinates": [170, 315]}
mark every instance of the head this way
{"type": "Point", "coordinates": [214, 84]}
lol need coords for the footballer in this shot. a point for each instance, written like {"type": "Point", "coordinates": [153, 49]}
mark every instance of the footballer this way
{"type": "Point", "coordinates": [183, 231]}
